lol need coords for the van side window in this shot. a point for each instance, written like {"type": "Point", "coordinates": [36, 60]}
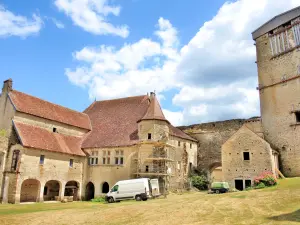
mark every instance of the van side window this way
{"type": "Point", "coordinates": [115, 188]}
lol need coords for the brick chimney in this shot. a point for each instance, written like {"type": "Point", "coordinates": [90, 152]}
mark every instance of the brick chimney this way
{"type": "Point", "coordinates": [7, 86]}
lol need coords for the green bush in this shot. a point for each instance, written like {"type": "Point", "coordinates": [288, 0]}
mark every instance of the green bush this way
{"type": "Point", "coordinates": [200, 182]}
{"type": "Point", "coordinates": [98, 199]}
{"type": "Point", "coordinates": [259, 186]}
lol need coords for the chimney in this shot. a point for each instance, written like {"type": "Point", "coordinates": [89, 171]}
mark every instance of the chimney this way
{"type": "Point", "coordinates": [152, 95]}
{"type": "Point", "coordinates": [7, 86]}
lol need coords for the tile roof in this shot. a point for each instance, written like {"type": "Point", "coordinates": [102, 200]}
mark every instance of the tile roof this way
{"type": "Point", "coordinates": [39, 138]}
{"type": "Point", "coordinates": [114, 122]}
{"type": "Point", "coordinates": [154, 111]}
{"type": "Point", "coordinates": [38, 107]}
{"type": "Point", "coordinates": [179, 133]}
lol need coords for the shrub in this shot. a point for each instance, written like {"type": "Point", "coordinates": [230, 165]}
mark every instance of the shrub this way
{"type": "Point", "coordinates": [200, 182]}
{"type": "Point", "coordinates": [266, 178]}
{"type": "Point", "coordinates": [98, 199]}
{"type": "Point", "coordinates": [259, 186]}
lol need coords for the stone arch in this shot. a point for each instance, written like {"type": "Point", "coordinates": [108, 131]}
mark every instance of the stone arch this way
{"type": "Point", "coordinates": [30, 190]}
{"type": "Point", "coordinates": [89, 191]}
{"type": "Point", "coordinates": [71, 189]}
{"type": "Point", "coordinates": [51, 190]}
{"type": "Point", "coordinates": [215, 172]}
{"type": "Point", "coordinates": [105, 187]}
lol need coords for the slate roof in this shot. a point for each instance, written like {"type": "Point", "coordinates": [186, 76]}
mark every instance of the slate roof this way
{"type": "Point", "coordinates": [115, 122]}
{"type": "Point", "coordinates": [39, 138]}
{"type": "Point", "coordinates": [35, 106]}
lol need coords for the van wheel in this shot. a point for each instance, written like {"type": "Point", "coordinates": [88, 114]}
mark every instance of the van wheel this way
{"type": "Point", "coordinates": [145, 199]}
{"type": "Point", "coordinates": [111, 200]}
{"type": "Point", "coordinates": [138, 198]}
{"type": "Point", "coordinates": [217, 192]}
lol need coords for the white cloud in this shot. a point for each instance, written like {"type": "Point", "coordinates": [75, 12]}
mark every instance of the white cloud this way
{"type": "Point", "coordinates": [91, 15]}
{"type": "Point", "coordinates": [58, 24]}
{"type": "Point", "coordinates": [16, 25]}
{"type": "Point", "coordinates": [214, 73]}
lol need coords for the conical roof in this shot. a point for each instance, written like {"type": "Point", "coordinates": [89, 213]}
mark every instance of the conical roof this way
{"type": "Point", "coordinates": [154, 111]}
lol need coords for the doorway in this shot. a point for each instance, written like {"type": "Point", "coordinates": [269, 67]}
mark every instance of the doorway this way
{"type": "Point", "coordinates": [239, 185]}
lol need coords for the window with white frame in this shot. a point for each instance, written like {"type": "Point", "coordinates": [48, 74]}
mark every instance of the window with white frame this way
{"type": "Point", "coordinates": [285, 40]}
{"type": "Point", "coordinates": [93, 159]}
{"type": "Point", "coordinates": [119, 157]}
{"type": "Point", "coordinates": [106, 157]}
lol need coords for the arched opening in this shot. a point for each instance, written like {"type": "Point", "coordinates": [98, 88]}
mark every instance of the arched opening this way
{"type": "Point", "coordinates": [30, 190]}
{"type": "Point", "coordinates": [89, 191]}
{"type": "Point", "coordinates": [105, 187]}
{"type": "Point", "coordinates": [71, 190]}
{"type": "Point", "coordinates": [215, 172]}
{"type": "Point", "coordinates": [51, 190]}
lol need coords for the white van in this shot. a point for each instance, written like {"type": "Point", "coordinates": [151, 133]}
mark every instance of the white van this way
{"type": "Point", "coordinates": [138, 189]}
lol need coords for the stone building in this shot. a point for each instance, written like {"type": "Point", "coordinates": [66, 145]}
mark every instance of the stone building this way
{"type": "Point", "coordinates": [49, 152]}
{"type": "Point", "coordinates": [278, 62]}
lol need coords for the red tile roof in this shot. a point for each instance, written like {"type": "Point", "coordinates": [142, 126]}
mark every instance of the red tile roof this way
{"type": "Point", "coordinates": [114, 122]}
{"type": "Point", "coordinates": [179, 133]}
{"type": "Point", "coordinates": [39, 138]}
{"type": "Point", "coordinates": [38, 107]}
{"type": "Point", "coordinates": [154, 111]}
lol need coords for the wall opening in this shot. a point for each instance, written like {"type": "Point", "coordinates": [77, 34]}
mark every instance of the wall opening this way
{"type": "Point", "coordinates": [238, 185]}
{"type": "Point", "coordinates": [51, 190]}
{"type": "Point", "coordinates": [105, 187]}
{"type": "Point", "coordinates": [149, 136]}
{"type": "Point", "coordinates": [297, 114]}
{"type": "Point", "coordinates": [247, 183]}
{"type": "Point", "coordinates": [30, 190]}
{"type": "Point", "coordinates": [71, 189]}
{"type": "Point", "coordinates": [246, 155]}
{"type": "Point", "coordinates": [89, 191]}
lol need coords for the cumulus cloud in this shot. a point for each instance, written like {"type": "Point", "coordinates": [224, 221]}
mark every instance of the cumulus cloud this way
{"type": "Point", "coordinates": [214, 73]}
{"type": "Point", "coordinates": [17, 25]}
{"type": "Point", "coordinates": [91, 15]}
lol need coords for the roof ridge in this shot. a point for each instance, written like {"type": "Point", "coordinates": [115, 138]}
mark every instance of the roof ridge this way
{"type": "Point", "coordinates": [106, 100]}
{"type": "Point", "coordinates": [50, 102]}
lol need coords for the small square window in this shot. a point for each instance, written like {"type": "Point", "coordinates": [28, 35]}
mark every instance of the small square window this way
{"type": "Point", "coordinates": [178, 143]}
{"type": "Point", "coordinates": [147, 168]}
{"type": "Point", "coordinates": [42, 159]}
{"type": "Point", "coordinates": [71, 163]}
{"type": "Point", "coordinates": [149, 136]}
{"type": "Point", "coordinates": [121, 160]}
{"type": "Point", "coordinates": [54, 129]}
{"type": "Point", "coordinates": [246, 155]}
{"type": "Point", "coordinates": [297, 114]}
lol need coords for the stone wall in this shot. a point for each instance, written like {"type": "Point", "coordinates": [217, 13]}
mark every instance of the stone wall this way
{"type": "Point", "coordinates": [211, 136]}
{"type": "Point", "coordinates": [234, 166]}
{"type": "Point", "coordinates": [278, 102]}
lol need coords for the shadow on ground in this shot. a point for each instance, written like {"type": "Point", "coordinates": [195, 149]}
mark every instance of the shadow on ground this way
{"type": "Point", "coordinates": [294, 217]}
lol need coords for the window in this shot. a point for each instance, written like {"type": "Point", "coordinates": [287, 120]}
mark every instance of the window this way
{"type": "Point", "coordinates": [191, 145]}
{"type": "Point", "coordinates": [119, 157]}
{"type": "Point", "coordinates": [297, 114]}
{"type": "Point", "coordinates": [178, 143]}
{"type": "Point", "coordinates": [54, 129]}
{"type": "Point", "coordinates": [115, 188]}
{"type": "Point", "coordinates": [42, 159]}
{"type": "Point", "coordinates": [71, 163]}
{"type": "Point", "coordinates": [147, 169]}
{"type": "Point", "coordinates": [93, 159]}
{"type": "Point", "coordinates": [15, 160]}
{"type": "Point", "coordinates": [105, 157]}
{"type": "Point", "coordinates": [247, 183]}
{"type": "Point", "coordinates": [149, 136]}
{"type": "Point", "coordinates": [246, 155]}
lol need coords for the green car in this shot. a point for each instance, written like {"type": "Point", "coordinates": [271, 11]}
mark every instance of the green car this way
{"type": "Point", "coordinates": [219, 187]}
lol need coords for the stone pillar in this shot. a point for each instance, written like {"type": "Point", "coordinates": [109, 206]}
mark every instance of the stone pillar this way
{"type": "Point", "coordinates": [5, 189]}
{"type": "Point", "coordinates": [62, 191]}
{"type": "Point", "coordinates": [80, 193]}
{"type": "Point", "coordinates": [41, 194]}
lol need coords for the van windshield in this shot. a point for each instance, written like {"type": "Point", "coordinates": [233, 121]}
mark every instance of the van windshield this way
{"type": "Point", "coordinates": [115, 188]}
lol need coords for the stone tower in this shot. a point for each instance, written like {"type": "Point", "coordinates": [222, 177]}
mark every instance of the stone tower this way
{"type": "Point", "coordinates": [278, 63]}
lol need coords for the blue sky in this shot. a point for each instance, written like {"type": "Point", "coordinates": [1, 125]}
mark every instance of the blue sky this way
{"type": "Point", "coordinates": [52, 51]}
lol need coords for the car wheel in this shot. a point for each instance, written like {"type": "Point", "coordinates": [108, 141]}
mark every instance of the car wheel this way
{"type": "Point", "coordinates": [145, 199]}
{"type": "Point", "coordinates": [217, 192]}
{"type": "Point", "coordinates": [111, 200]}
{"type": "Point", "coordinates": [138, 198]}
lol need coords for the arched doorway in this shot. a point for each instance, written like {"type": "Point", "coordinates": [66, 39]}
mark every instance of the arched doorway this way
{"type": "Point", "coordinates": [51, 190]}
{"type": "Point", "coordinates": [89, 191]}
{"type": "Point", "coordinates": [71, 189]}
{"type": "Point", "coordinates": [105, 187]}
{"type": "Point", "coordinates": [30, 190]}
